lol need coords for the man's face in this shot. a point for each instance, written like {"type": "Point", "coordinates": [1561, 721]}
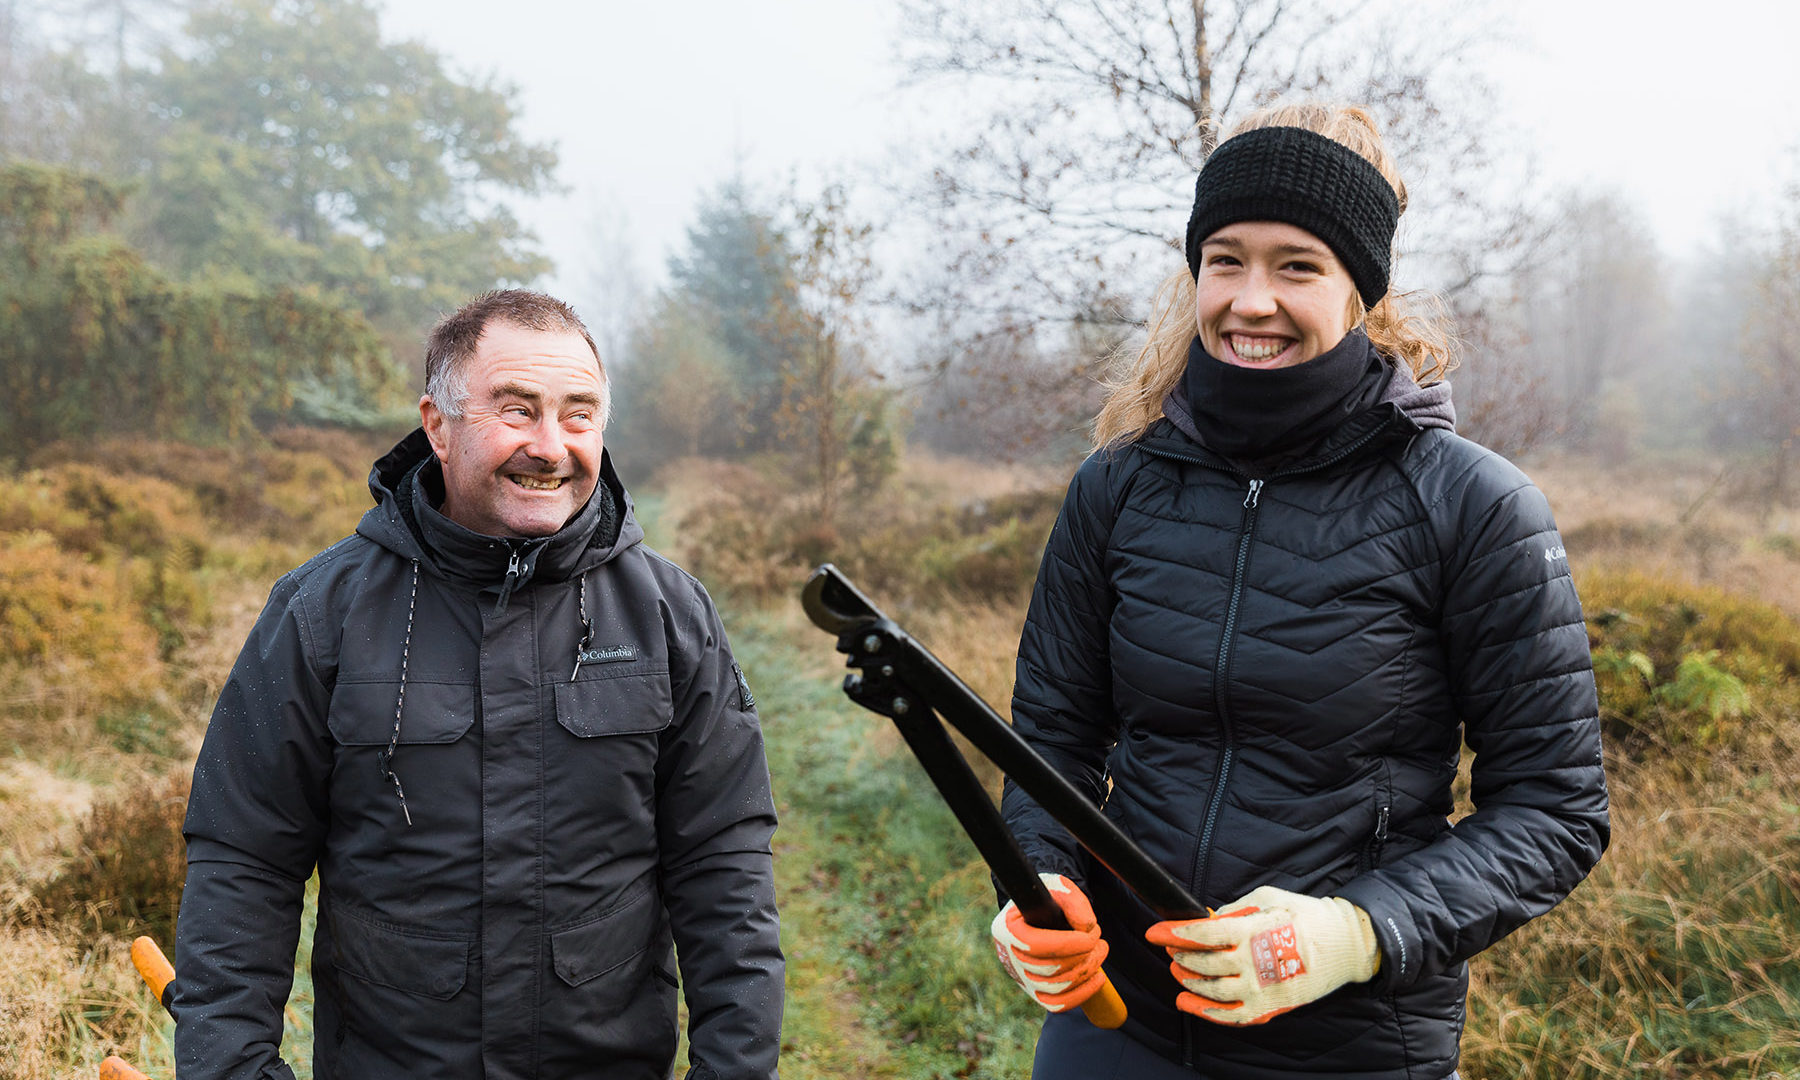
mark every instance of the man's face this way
{"type": "Point", "coordinates": [525, 454]}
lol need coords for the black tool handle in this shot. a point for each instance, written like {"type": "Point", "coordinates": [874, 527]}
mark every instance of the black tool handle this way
{"type": "Point", "coordinates": [892, 659]}
{"type": "Point", "coordinates": [962, 790]}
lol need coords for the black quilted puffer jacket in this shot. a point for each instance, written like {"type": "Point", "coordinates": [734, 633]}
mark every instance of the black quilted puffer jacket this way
{"type": "Point", "coordinates": [1268, 680]}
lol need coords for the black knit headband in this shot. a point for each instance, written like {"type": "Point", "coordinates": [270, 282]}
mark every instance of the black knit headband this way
{"type": "Point", "coordinates": [1297, 177]}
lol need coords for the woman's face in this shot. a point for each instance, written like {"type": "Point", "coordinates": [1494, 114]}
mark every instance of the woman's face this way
{"type": "Point", "coordinates": [1270, 295]}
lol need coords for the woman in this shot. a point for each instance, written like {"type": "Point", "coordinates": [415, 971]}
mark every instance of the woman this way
{"type": "Point", "coordinates": [1278, 599]}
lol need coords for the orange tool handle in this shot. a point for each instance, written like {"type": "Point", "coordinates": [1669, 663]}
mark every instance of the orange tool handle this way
{"type": "Point", "coordinates": [1104, 1009]}
{"type": "Point", "coordinates": [114, 1068]}
{"type": "Point", "coordinates": [150, 962]}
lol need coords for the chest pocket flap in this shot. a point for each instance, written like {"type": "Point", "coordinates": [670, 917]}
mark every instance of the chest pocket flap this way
{"type": "Point", "coordinates": [362, 713]}
{"type": "Point", "coordinates": [631, 704]}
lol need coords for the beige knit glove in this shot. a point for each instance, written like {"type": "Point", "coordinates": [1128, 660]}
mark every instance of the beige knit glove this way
{"type": "Point", "coordinates": [1268, 953]}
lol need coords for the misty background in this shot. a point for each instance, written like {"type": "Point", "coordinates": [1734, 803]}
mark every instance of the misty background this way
{"type": "Point", "coordinates": [817, 231]}
{"type": "Point", "coordinates": [857, 271]}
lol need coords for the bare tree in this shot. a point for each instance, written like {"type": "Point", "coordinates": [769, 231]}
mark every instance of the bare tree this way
{"type": "Point", "coordinates": [1771, 406]}
{"type": "Point", "coordinates": [827, 388]}
{"type": "Point", "coordinates": [611, 287]}
{"type": "Point", "coordinates": [1591, 313]}
{"type": "Point", "coordinates": [1096, 114]}
{"type": "Point", "coordinates": [1072, 175]}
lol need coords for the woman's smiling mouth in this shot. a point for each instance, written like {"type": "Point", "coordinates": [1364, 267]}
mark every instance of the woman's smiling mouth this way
{"type": "Point", "coordinates": [1257, 350]}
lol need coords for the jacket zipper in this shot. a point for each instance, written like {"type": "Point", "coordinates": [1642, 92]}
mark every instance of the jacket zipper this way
{"type": "Point", "coordinates": [515, 566]}
{"type": "Point", "coordinates": [1203, 852]}
{"type": "Point", "coordinates": [1221, 677]}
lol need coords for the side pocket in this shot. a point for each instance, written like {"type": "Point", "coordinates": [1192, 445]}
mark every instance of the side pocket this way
{"type": "Point", "coordinates": [429, 965]}
{"type": "Point", "coordinates": [1384, 808]}
{"type": "Point", "coordinates": [610, 950]}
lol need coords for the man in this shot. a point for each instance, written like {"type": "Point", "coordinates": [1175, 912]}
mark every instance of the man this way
{"type": "Point", "coordinates": [513, 742]}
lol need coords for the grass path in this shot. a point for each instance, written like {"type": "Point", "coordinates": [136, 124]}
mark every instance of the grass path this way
{"type": "Point", "coordinates": [884, 902]}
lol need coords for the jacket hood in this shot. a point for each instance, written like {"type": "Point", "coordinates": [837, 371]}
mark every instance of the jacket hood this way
{"type": "Point", "coordinates": [407, 483]}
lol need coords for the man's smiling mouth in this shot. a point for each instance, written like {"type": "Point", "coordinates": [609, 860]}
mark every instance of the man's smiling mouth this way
{"type": "Point", "coordinates": [538, 483]}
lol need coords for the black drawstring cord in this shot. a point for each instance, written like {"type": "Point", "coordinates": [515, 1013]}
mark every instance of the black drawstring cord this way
{"type": "Point", "coordinates": [587, 627]}
{"type": "Point", "coordinates": [386, 758]}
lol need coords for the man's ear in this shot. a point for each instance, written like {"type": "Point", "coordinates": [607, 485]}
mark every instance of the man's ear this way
{"type": "Point", "coordinates": [432, 419]}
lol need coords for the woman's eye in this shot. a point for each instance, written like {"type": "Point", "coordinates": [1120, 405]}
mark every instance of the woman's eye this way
{"type": "Point", "coordinates": [1303, 267]}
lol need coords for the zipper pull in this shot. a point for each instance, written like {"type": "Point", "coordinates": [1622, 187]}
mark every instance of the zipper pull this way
{"type": "Point", "coordinates": [514, 567]}
{"type": "Point", "coordinates": [1255, 490]}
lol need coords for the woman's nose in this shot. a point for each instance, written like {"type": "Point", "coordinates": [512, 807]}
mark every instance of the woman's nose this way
{"type": "Point", "coordinates": [1255, 296]}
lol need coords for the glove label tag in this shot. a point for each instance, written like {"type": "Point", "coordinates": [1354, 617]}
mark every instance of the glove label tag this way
{"type": "Point", "coordinates": [1276, 955]}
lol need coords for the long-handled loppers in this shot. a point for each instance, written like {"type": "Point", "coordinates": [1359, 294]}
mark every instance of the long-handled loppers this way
{"type": "Point", "coordinates": [901, 679]}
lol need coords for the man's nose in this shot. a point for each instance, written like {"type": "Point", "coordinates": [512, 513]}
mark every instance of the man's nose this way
{"type": "Point", "coordinates": [547, 442]}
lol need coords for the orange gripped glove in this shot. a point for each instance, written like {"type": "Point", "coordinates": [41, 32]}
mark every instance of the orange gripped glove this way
{"type": "Point", "coordinates": [1060, 969]}
{"type": "Point", "coordinates": [1269, 952]}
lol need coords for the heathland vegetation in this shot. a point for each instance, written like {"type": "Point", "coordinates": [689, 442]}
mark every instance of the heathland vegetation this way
{"type": "Point", "coordinates": [220, 244]}
{"type": "Point", "coordinates": [132, 568]}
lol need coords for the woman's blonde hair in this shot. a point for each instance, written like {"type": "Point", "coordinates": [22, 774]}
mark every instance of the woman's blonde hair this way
{"type": "Point", "coordinates": [1410, 327]}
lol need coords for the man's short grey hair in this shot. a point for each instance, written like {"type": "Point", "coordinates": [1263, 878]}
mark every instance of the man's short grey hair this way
{"type": "Point", "coordinates": [453, 341]}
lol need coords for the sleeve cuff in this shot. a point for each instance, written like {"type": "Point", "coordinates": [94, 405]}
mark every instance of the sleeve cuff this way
{"type": "Point", "coordinates": [1402, 949]}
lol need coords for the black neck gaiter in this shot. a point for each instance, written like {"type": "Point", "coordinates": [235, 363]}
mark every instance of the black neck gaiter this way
{"type": "Point", "coordinates": [1256, 414]}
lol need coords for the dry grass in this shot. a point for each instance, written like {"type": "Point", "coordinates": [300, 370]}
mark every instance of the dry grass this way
{"type": "Point", "coordinates": [1680, 957]}
{"type": "Point", "coordinates": [925, 541]}
{"type": "Point", "coordinates": [128, 580]}
{"type": "Point", "coordinates": [124, 871]}
{"type": "Point", "coordinates": [67, 1001]}
{"type": "Point", "coordinates": [1692, 520]}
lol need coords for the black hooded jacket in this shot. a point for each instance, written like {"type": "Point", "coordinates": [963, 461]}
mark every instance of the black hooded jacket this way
{"type": "Point", "coordinates": [570, 824]}
{"type": "Point", "coordinates": [1267, 677]}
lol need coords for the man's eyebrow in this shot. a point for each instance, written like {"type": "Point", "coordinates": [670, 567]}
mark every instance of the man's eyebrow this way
{"type": "Point", "coordinates": [526, 393]}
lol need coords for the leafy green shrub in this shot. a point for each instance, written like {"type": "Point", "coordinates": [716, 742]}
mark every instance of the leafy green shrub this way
{"type": "Point", "coordinates": [1783, 544]}
{"type": "Point", "coordinates": [1678, 663]}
